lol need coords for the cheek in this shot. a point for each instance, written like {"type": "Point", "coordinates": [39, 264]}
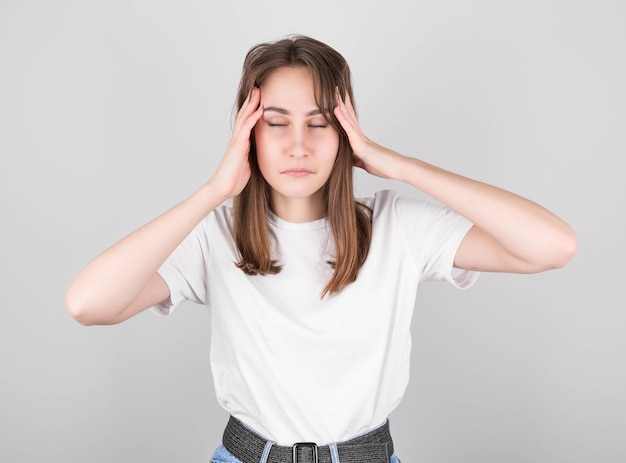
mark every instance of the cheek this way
{"type": "Point", "coordinates": [260, 141]}
{"type": "Point", "coordinates": [258, 136]}
{"type": "Point", "coordinates": [264, 139]}
{"type": "Point", "coordinates": [266, 152]}
{"type": "Point", "coordinates": [330, 147]}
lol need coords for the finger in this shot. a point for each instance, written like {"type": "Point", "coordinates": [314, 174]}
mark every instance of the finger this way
{"type": "Point", "coordinates": [347, 110]}
{"type": "Point", "coordinates": [250, 108]}
{"type": "Point", "coordinates": [250, 104]}
{"type": "Point", "coordinates": [340, 111]}
{"type": "Point", "coordinates": [350, 107]}
{"type": "Point", "coordinates": [251, 121]}
{"type": "Point", "coordinates": [252, 94]}
{"type": "Point", "coordinates": [349, 123]}
{"type": "Point", "coordinates": [341, 99]}
{"type": "Point", "coordinates": [340, 102]}
{"type": "Point", "coordinates": [350, 128]}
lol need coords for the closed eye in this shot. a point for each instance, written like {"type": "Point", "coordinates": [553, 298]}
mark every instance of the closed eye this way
{"type": "Point", "coordinates": [272, 124]}
{"type": "Point", "coordinates": [319, 126]}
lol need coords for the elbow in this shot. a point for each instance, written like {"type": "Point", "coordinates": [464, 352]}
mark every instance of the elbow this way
{"type": "Point", "coordinates": [77, 308]}
{"type": "Point", "coordinates": [85, 310]}
{"type": "Point", "coordinates": [89, 311]}
{"type": "Point", "coordinates": [564, 249]}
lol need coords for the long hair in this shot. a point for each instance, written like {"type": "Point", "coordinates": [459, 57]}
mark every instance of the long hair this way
{"type": "Point", "coordinates": [349, 220]}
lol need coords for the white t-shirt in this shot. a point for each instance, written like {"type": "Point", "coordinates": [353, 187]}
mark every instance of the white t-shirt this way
{"type": "Point", "coordinates": [293, 366]}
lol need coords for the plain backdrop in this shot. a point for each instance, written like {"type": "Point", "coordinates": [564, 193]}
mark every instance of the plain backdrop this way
{"type": "Point", "coordinates": [113, 111]}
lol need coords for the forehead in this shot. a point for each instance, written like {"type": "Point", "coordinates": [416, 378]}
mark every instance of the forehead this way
{"type": "Point", "coordinates": [290, 88]}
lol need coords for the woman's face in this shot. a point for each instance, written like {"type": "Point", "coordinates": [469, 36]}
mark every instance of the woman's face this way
{"type": "Point", "coordinates": [296, 147]}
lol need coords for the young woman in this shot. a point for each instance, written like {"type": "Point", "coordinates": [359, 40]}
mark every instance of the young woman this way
{"type": "Point", "coordinates": [312, 291]}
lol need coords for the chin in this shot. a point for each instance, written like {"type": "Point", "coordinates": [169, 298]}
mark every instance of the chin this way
{"type": "Point", "coordinates": [299, 193]}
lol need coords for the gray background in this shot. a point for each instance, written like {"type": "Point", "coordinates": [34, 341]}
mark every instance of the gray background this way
{"type": "Point", "coordinates": [111, 112]}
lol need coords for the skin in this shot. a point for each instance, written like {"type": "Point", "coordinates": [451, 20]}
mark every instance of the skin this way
{"type": "Point", "coordinates": [510, 233]}
{"type": "Point", "coordinates": [296, 148]}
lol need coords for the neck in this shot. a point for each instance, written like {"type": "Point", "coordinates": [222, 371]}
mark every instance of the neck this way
{"type": "Point", "coordinates": [298, 210]}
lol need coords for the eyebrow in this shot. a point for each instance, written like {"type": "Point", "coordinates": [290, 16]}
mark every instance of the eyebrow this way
{"type": "Point", "coordinates": [285, 112]}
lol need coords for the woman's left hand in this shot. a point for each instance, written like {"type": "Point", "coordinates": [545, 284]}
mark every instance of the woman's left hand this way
{"type": "Point", "coordinates": [510, 233]}
{"type": "Point", "coordinates": [368, 155]}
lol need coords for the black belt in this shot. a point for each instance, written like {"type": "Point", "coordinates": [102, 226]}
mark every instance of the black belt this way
{"type": "Point", "coordinates": [373, 447]}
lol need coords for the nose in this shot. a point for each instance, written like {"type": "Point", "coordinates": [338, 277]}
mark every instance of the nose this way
{"type": "Point", "coordinates": [298, 146]}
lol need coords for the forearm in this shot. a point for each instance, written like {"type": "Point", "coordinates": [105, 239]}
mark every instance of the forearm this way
{"type": "Point", "coordinates": [106, 286]}
{"type": "Point", "coordinates": [511, 233]}
{"type": "Point", "coordinates": [522, 227]}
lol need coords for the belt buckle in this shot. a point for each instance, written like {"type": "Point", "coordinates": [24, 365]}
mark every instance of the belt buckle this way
{"type": "Point", "coordinates": [311, 445]}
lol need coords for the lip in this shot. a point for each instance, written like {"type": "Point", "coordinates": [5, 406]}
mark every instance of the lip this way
{"type": "Point", "coordinates": [297, 171]}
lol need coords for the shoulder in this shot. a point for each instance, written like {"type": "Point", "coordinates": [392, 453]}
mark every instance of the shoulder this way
{"type": "Point", "coordinates": [388, 201]}
{"type": "Point", "coordinates": [223, 212]}
{"type": "Point", "coordinates": [219, 221]}
{"type": "Point", "coordinates": [380, 199]}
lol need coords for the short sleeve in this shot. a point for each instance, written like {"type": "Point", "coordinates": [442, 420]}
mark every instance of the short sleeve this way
{"type": "Point", "coordinates": [433, 234]}
{"type": "Point", "coordinates": [185, 271]}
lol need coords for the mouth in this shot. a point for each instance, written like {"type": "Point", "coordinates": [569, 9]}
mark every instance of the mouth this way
{"type": "Point", "coordinates": [297, 172]}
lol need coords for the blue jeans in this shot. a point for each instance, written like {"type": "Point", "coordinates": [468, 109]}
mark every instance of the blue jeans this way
{"type": "Point", "coordinates": [222, 455]}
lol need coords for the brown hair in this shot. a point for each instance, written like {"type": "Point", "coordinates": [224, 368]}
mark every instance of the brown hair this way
{"type": "Point", "coordinates": [349, 220]}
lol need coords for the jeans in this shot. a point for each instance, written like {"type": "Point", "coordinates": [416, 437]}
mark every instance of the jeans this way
{"type": "Point", "coordinates": [222, 455]}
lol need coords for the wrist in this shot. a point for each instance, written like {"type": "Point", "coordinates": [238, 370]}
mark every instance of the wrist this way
{"type": "Point", "coordinates": [211, 194]}
{"type": "Point", "coordinates": [397, 164]}
{"type": "Point", "coordinates": [409, 169]}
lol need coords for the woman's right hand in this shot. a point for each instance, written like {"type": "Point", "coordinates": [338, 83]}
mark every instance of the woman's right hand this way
{"type": "Point", "coordinates": [233, 172]}
{"type": "Point", "coordinates": [123, 280]}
